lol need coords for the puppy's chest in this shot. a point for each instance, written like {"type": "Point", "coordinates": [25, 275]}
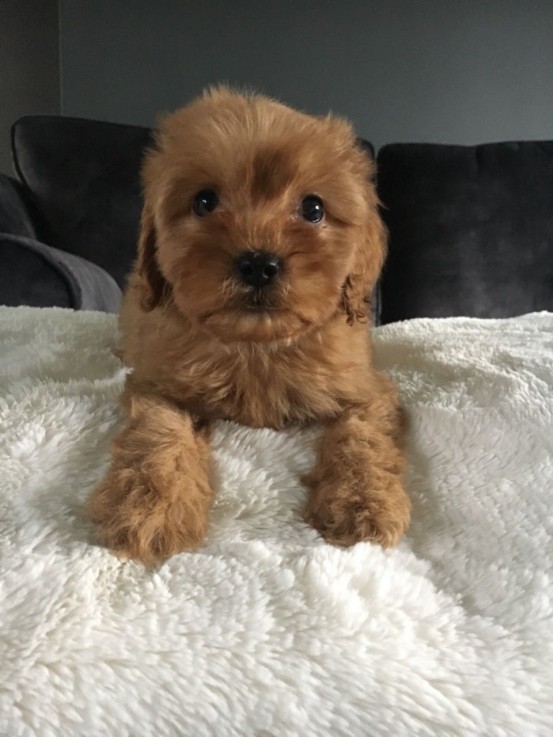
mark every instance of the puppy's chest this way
{"type": "Point", "coordinates": [261, 390]}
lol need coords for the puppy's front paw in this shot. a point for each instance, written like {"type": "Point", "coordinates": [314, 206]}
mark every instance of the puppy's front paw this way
{"type": "Point", "coordinates": [345, 516]}
{"type": "Point", "coordinates": [141, 519]}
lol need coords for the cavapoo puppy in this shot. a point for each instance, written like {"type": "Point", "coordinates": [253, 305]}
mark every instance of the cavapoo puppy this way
{"type": "Point", "coordinates": [260, 245]}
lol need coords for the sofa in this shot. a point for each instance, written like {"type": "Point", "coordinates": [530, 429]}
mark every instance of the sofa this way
{"type": "Point", "coordinates": [471, 227]}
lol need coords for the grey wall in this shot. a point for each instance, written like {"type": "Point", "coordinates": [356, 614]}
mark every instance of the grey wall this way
{"type": "Point", "coordinates": [459, 71]}
{"type": "Point", "coordinates": [29, 65]}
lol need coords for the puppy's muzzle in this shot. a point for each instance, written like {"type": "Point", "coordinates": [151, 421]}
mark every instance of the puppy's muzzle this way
{"type": "Point", "coordinates": [257, 268]}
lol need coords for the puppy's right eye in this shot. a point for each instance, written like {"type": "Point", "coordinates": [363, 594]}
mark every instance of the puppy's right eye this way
{"type": "Point", "coordinates": [205, 202]}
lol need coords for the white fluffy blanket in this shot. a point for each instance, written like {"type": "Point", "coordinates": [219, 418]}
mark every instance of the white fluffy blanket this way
{"type": "Point", "coordinates": [267, 631]}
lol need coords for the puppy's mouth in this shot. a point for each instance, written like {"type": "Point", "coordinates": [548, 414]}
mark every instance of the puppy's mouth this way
{"type": "Point", "coordinates": [257, 301]}
{"type": "Point", "coordinates": [257, 309]}
{"type": "Point", "coordinates": [258, 306]}
{"type": "Point", "coordinates": [255, 323]}
{"type": "Point", "coordinates": [253, 314]}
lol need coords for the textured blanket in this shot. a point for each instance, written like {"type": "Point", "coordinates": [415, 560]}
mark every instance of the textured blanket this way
{"type": "Point", "coordinates": [267, 631]}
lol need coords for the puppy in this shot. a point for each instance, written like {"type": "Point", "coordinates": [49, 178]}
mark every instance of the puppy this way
{"type": "Point", "coordinates": [260, 244]}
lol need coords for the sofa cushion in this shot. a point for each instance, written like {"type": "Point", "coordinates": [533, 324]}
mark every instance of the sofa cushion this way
{"type": "Point", "coordinates": [471, 229]}
{"type": "Point", "coordinates": [34, 274]}
{"type": "Point", "coordinates": [16, 215]}
{"type": "Point", "coordinates": [83, 177]}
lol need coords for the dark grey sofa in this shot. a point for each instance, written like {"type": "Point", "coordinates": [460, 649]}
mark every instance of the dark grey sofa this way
{"type": "Point", "coordinates": [471, 227]}
{"type": "Point", "coordinates": [69, 220]}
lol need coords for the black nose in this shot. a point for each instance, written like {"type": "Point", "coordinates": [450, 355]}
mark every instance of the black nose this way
{"type": "Point", "coordinates": [257, 268]}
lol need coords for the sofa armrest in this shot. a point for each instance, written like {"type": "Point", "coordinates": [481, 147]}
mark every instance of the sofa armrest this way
{"type": "Point", "coordinates": [32, 273]}
{"type": "Point", "coordinates": [16, 215]}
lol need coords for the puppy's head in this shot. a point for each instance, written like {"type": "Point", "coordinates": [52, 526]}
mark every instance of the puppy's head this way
{"type": "Point", "coordinates": [259, 222]}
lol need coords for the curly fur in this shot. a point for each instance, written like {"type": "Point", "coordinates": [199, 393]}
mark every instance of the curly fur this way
{"type": "Point", "coordinates": [203, 345]}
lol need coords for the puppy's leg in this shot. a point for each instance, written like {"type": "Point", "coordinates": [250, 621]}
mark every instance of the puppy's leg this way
{"type": "Point", "coordinates": [155, 498]}
{"type": "Point", "coordinates": [356, 488]}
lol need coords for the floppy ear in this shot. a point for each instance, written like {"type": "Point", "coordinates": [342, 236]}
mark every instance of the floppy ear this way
{"type": "Point", "coordinates": [152, 284]}
{"type": "Point", "coordinates": [369, 259]}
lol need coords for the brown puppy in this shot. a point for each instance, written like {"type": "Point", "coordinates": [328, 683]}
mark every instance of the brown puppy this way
{"type": "Point", "coordinates": [260, 245]}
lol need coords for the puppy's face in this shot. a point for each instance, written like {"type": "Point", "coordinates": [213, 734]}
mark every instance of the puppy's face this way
{"type": "Point", "coordinates": [259, 222]}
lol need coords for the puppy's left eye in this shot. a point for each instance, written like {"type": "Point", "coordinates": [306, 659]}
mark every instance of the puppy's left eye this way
{"type": "Point", "coordinates": [312, 208]}
{"type": "Point", "coordinates": [205, 202]}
